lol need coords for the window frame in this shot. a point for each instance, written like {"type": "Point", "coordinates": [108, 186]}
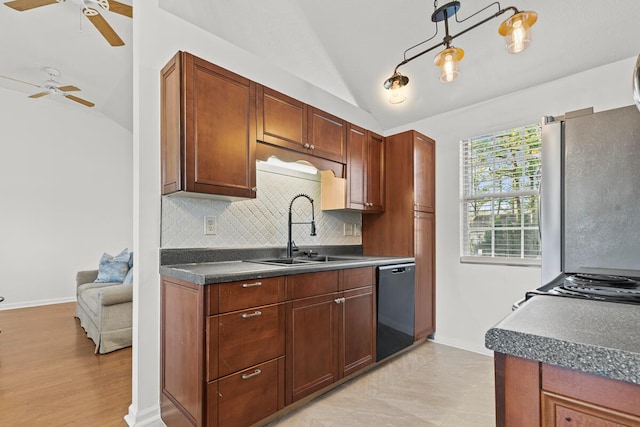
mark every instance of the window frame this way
{"type": "Point", "coordinates": [466, 183]}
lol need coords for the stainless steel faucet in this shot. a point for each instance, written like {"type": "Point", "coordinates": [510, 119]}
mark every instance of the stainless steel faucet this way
{"type": "Point", "coordinates": [290, 244]}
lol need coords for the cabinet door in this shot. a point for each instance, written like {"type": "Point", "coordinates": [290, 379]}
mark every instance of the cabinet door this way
{"type": "Point", "coordinates": [356, 168]}
{"type": "Point", "coordinates": [327, 135]}
{"type": "Point", "coordinates": [312, 344]}
{"type": "Point", "coordinates": [357, 330]}
{"type": "Point", "coordinates": [220, 130]}
{"type": "Point", "coordinates": [170, 122]}
{"type": "Point", "coordinates": [424, 229]}
{"type": "Point", "coordinates": [375, 172]}
{"type": "Point", "coordinates": [282, 120]}
{"type": "Point", "coordinates": [424, 173]}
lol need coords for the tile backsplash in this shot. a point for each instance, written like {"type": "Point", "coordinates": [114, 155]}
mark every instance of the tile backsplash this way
{"type": "Point", "coordinates": [257, 222]}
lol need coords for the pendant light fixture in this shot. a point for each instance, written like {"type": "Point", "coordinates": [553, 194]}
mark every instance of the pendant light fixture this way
{"type": "Point", "coordinates": [516, 31]}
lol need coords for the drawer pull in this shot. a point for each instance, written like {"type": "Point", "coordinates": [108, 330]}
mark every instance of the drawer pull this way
{"type": "Point", "coordinates": [251, 285]}
{"type": "Point", "coordinates": [340, 300]}
{"type": "Point", "coordinates": [255, 313]}
{"type": "Point", "coordinates": [253, 374]}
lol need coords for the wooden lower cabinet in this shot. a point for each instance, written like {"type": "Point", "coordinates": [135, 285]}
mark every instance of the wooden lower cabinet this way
{"type": "Point", "coordinates": [424, 253]}
{"type": "Point", "coordinates": [357, 330]}
{"type": "Point", "coordinates": [236, 353]}
{"type": "Point", "coordinates": [312, 344]}
{"type": "Point", "coordinates": [330, 336]}
{"type": "Point", "coordinates": [244, 398]}
{"type": "Point", "coordinates": [529, 393]}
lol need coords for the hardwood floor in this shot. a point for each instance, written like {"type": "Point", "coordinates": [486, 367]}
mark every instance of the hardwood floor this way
{"type": "Point", "coordinates": [50, 376]}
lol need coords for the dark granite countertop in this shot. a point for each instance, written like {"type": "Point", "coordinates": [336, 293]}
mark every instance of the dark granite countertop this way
{"type": "Point", "coordinates": [205, 273]}
{"type": "Point", "coordinates": [586, 335]}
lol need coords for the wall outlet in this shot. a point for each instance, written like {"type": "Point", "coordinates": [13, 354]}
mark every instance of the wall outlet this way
{"type": "Point", "coordinates": [357, 230]}
{"type": "Point", "coordinates": [347, 230]}
{"type": "Point", "coordinates": [210, 225]}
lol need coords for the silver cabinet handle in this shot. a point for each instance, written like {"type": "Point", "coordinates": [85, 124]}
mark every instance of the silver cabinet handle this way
{"type": "Point", "coordinates": [313, 147]}
{"type": "Point", "coordinates": [251, 285]}
{"type": "Point", "coordinates": [306, 145]}
{"type": "Point", "coordinates": [343, 300]}
{"type": "Point", "coordinates": [254, 189]}
{"type": "Point", "coordinates": [337, 300]}
{"type": "Point", "coordinates": [254, 314]}
{"type": "Point", "coordinates": [253, 374]}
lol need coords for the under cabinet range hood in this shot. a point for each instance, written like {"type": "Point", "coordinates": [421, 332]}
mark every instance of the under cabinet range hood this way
{"type": "Point", "coordinates": [333, 191]}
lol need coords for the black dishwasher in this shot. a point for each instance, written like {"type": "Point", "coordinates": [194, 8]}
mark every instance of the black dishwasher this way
{"type": "Point", "coordinates": [395, 308]}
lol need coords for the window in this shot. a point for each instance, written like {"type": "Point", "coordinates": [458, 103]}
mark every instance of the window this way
{"type": "Point", "coordinates": [500, 197]}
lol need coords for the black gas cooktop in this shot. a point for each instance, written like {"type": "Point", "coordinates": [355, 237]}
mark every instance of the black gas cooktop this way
{"type": "Point", "coordinates": [592, 286]}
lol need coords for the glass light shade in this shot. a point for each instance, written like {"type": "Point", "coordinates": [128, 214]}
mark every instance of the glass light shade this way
{"type": "Point", "coordinates": [448, 60]}
{"type": "Point", "coordinates": [397, 93]}
{"type": "Point", "coordinates": [516, 31]}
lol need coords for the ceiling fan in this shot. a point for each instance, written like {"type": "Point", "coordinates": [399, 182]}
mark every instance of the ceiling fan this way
{"type": "Point", "coordinates": [91, 13]}
{"type": "Point", "coordinates": [52, 87]}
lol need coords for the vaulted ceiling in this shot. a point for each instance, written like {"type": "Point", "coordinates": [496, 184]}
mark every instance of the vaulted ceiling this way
{"type": "Point", "coordinates": [347, 48]}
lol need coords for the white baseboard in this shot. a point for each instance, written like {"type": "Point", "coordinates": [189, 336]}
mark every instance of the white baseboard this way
{"type": "Point", "coordinates": [463, 345]}
{"type": "Point", "coordinates": [149, 417]}
{"type": "Point", "coordinates": [26, 304]}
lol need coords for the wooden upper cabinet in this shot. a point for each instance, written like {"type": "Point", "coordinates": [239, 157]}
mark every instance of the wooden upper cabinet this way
{"type": "Point", "coordinates": [424, 173]}
{"type": "Point", "coordinates": [282, 120]}
{"type": "Point", "coordinates": [356, 168]}
{"type": "Point", "coordinates": [375, 172]}
{"type": "Point", "coordinates": [292, 124]}
{"type": "Point", "coordinates": [327, 135]}
{"type": "Point", "coordinates": [365, 170]}
{"type": "Point", "coordinates": [208, 129]}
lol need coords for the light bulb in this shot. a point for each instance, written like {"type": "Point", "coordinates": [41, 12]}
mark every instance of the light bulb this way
{"type": "Point", "coordinates": [448, 60]}
{"type": "Point", "coordinates": [397, 93]}
{"type": "Point", "coordinates": [449, 69]}
{"type": "Point", "coordinates": [516, 31]}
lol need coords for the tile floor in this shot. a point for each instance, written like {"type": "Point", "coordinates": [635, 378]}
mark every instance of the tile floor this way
{"type": "Point", "coordinates": [433, 385]}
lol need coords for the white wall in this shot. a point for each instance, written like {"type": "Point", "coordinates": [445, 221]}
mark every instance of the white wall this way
{"type": "Point", "coordinates": [65, 186]}
{"type": "Point", "coordinates": [471, 298]}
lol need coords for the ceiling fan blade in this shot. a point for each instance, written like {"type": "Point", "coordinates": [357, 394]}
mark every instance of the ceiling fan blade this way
{"type": "Point", "coordinates": [121, 8]}
{"type": "Point", "coordinates": [39, 94]}
{"type": "Point", "coordinates": [19, 81]}
{"type": "Point", "coordinates": [103, 26]}
{"type": "Point", "coordinates": [80, 100]}
{"type": "Point", "coordinates": [21, 5]}
{"type": "Point", "coordinates": [68, 88]}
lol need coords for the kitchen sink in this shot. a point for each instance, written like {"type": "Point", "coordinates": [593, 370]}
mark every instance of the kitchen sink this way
{"type": "Point", "coordinates": [328, 258]}
{"type": "Point", "coordinates": [302, 260]}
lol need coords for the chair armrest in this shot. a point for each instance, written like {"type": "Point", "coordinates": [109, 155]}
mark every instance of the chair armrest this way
{"type": "Point", "coordinates": [86, 276]}
{"type": "Point", "coordinates": [115, 294]}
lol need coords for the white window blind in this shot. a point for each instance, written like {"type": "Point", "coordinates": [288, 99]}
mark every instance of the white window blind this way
{"type": "Point", "coordinates": [500, 197]}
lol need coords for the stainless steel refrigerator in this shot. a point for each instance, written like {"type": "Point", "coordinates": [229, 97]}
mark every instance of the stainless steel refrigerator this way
{"type": "Point", "coordinates": [590, 193]}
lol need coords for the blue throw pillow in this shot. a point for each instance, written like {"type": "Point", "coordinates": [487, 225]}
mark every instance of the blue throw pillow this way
{"type": "Point", "coordinates": [128, 279]}
{"type": "Point", "coordinates": [113, 268]}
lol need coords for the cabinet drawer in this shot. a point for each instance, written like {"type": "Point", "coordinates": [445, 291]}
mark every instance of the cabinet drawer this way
{"type": "Point", "coordinates": [357, 277]}
{"type": "Point", "coordinates": [250, 293]}
{"type": "Point", "coordinates": [249, 337]}
{"type": "Point", "coordinates": [312, 284]}
{"type": "Point", "coordinates": [248, 396]}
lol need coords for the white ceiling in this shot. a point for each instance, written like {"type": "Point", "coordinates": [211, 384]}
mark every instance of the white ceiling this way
{"type": "Point", "coordinates": [59, 36]}
{"type": "Point", "coordinates": [347, 48]}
